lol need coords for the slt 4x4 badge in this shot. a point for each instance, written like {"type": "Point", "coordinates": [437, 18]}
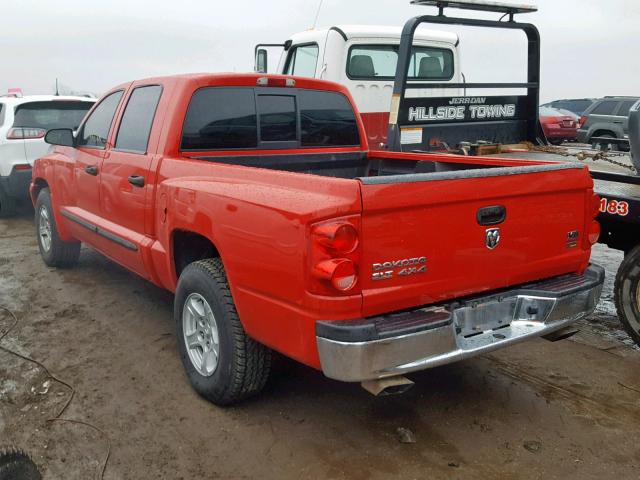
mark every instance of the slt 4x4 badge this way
{"type": "Point", "coordinates": [400, 268]}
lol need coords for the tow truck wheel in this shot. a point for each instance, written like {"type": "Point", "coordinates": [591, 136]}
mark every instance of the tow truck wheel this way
{"type": "Point", "coordinates": [222, 362]}
{"type": "Point", "coordinates": [17, 465]}
{"type": "Point", "coordinates": [54, 251]}
{"type": "Point", "coordinates": [627, 293]}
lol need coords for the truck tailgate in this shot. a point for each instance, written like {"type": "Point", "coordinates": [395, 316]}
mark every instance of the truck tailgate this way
{"type": "Point", "coordinates": [423, 241]}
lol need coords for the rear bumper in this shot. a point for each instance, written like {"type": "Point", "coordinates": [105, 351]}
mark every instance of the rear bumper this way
{"type": "Point", "coordinates": [569, 133]}
{"type": "Point", "coordinates": [16, 184]}
{"type": "Point", "coordinates": [394, 344]}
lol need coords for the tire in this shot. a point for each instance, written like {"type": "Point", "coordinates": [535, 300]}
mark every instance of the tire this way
{"type": "Point", "coordinates": [613, 147]}
{"type": "Point", "coordinates": [627, 294]}
{"type": "Point", "coordinates": [54, 251]}
{"type": "Point", "coordinates": [17, 465]}
{"type": "Point", "coordinates": [7, 205]}
{"type": "Point", "coordinates": [556, 141]}
{"type": "Point", "coordinates": [204, 312]}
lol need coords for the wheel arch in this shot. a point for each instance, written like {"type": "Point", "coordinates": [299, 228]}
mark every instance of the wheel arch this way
{"type": "Point", "coordinates": [37, 184]}
{"type": "Point", "coordinates": [188, 246]}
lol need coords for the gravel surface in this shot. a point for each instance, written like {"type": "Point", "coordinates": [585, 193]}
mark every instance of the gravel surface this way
{"type": "Point", "coordinates": [568, 409]}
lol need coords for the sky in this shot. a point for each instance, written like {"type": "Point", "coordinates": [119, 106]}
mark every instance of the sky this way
{"type": "Point", "coordinates": [588, 46]}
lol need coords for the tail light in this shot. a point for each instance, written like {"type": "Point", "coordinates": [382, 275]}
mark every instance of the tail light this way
{"type": "Point", "coordinates": [22, 167]}
{"type": "Point", "coordinates": [597, 204]}
{"type": "Point", "coordinates": [594, 232]}
{"type": "Point", "coordinates": [275, 82]}
{"type": "Point", "coordinates": [24, 133]}
{"type": "Point", "coordinates": [582, 121]}
{"type": "Point", "coordinates": [334, 256]}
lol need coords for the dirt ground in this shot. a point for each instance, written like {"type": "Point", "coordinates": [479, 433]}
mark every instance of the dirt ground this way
{"type": "Point", "coordinates": [569, 409]}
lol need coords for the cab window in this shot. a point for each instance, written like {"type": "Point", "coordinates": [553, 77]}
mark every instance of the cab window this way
{"type": "Point", "coordinates": [95, 131]}
{"type": "Point", "coordinates": [379, 62]}
{"type": "Point", "coordinates": [302, 61]}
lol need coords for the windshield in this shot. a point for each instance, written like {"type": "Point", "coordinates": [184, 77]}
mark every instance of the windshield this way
{"type": "Point", "coordinates": [52, 114]}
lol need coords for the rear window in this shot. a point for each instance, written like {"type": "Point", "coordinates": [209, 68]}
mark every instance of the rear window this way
{"type": "Point", "coordinates": [220, 118]}
{"type": "Point", "coordinates": [550, 112]}
{"type": "Point", "coordinates": [378, 62]}
{"type": "Point", "coordinates": [605, 108]}
{"type": "Point", "coordinates": [278, 118]}
{"type": "Point", "coordinates": [1, 114]}
{"type": "Point", "coordinates": [246, 118]}
{"type": "Point", "coordinates": [53, 114]}
{"type": "Point", "coordinates": [327, 119]}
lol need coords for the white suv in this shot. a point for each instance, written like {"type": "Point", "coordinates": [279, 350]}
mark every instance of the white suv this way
{"type": "Point", "coordinates": [24, 121]}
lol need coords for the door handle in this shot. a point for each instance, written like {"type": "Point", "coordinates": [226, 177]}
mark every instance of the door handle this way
{"type": "Point", "coordinates": [136, 180]}
{"type": "Point", "coordinates": [493, 215]}
{"type": "Point", "coordinates": [91, 170]}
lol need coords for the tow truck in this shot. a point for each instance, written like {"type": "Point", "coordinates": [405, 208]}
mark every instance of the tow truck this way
{"type": "Point", "coordinates": [421, 117]}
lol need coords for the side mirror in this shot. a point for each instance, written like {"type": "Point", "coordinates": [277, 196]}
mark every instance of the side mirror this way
{"type": "Point", "coordinates": [261, 61]}
{"type": "Point", "coordinates": [60, 136]}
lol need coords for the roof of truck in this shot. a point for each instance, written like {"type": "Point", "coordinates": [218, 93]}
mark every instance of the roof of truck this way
{"type": "Point", "coordinates": [376, 31]}
{"type": "Point", "coordinates": [14, 100]}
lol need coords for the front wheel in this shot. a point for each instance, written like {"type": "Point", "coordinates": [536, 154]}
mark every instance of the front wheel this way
{"type": "Point", "coordinates": [223, 363]}
{"type": "Point", "coordinates": [627, 293]}
{"type": "Point", "coordinates": [54, 251]}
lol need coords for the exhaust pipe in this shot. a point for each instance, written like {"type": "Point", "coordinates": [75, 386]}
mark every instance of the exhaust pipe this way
{"type": "Point", "coordinates": [387, 386]}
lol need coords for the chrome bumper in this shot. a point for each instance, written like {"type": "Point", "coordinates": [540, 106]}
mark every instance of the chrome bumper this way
{"type": "Point", "coordinates": [367, 349]}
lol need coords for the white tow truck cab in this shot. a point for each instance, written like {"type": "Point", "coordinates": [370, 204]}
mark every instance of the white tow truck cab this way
{"type": "Point", "coordinates": [364, 58]}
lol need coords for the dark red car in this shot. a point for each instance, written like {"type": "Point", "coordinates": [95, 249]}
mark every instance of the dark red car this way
{"type": "Point", "coordinates": [558, 125]}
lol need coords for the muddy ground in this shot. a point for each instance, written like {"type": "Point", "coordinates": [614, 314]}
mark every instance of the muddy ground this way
{"type": "Point", "coordinates": [561, 410]}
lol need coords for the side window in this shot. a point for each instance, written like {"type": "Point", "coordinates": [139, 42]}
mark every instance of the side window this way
{"type": "Point", "coordinates": [220, 118]}
{"type": "Point", "coordinates": [303, 61]}
{"type": "Point", "coordinates": [327, 119]}
{"type": "Point", "coordinates": [278, 119]}
{"type": "Point", "coordinates": [605, 108]}
{"type": "Point", "coordinates": [96, 129]}
{"type": "Point", "coordinates": [625, 107]}
{"type": "Point", "coordinates": [136, 123]}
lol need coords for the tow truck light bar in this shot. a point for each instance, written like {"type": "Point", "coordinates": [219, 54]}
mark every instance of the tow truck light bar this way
{"type": "Point", "coordinates": [478, 5]}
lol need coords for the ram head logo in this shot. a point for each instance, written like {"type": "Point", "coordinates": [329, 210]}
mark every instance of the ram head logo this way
{"type": "Point", "coordinates": [492, 238]}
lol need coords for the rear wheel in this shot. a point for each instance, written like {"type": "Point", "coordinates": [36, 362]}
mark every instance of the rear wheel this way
{"type": "Point", "coordinates": [604, 145]}
{"type": "Point", "coordinates": [556, 141]}
{"type": "Point", "coordinates": [222, 362]}
{"type": "Point", "coordinates": [54, 251]}
{"type": "Point", "coordinates": [627, 293]}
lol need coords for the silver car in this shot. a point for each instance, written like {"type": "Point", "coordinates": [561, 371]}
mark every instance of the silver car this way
{"type": "Point", "coordinates": [607, 117]}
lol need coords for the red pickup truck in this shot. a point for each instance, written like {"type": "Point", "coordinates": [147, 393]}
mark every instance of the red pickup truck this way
{"type": "Point", "coordinates": [256, 200]}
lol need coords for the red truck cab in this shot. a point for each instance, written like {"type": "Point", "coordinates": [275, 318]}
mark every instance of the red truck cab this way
{"type": "Point", "coordinates": [256, 200]}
